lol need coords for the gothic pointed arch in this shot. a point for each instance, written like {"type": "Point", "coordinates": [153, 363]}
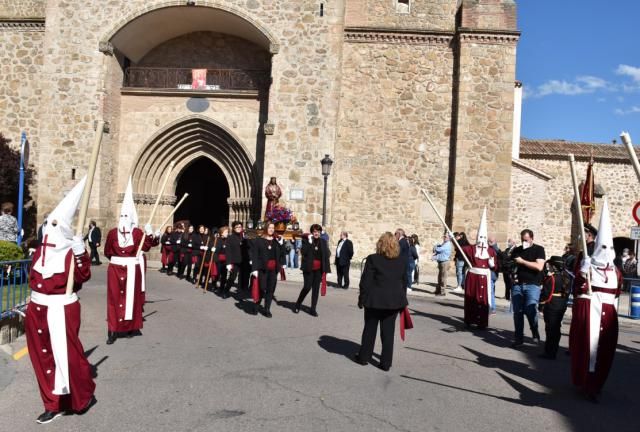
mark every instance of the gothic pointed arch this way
{"type": "Point", "coordinates": [186, 140]}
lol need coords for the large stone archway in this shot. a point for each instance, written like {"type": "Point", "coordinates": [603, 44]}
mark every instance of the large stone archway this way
{"type": "Point", "coordinates": [183, 142]}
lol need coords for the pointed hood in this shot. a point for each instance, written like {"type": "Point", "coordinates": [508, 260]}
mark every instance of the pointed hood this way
{"type": "Point", "coordinates": [482, 244]}
{"type": "Point", "coordinates": [603, 273]}
{"type": "Point", "coordinates": [128, 218]}
{"type": "Point", "coordinates": [58, 233]}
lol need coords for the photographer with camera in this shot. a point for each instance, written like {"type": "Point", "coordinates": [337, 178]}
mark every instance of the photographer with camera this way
{"type": "Point", "coordinates": [529, 261]}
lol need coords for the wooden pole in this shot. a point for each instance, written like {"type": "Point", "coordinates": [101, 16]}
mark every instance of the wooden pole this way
{"type": "Point", "coordinates": [86, 194]}
{"type": "Point", "coordinates": [204, 254]}
{"type": "Point", "coordinates": [626, 140]}
{"type": "Point", "coordinates": [184, 197]}
{"type": "Point", "coordinates": [576, 192]}
{"type": "Point", "coordinates": [453, 238]}
{"type": "Point", "coordinates": [155, 206]}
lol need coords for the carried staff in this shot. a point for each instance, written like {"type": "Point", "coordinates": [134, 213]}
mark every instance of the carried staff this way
{"type": "Point", "coordinates": [86, 194]}
{"type": "Point", "coordinates": [576, 193]}
{"type": "Point", "coordinates": [155, 206]}
{"type": "Point", "coordinates": [211, 263]}
{"type": "Point", "coordinates": [451, 236]}
{"type": "Point", "coordinates": [175, 209]}
{"type": "Point", "coordinates": [626, 140]}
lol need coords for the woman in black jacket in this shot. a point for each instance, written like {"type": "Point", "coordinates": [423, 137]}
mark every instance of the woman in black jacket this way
{"type": "Point", "coordinates": [314, 264]}
{"type": "Point", "coordinates": [383, 296]}
{"type": "Point", "coordinates": [266, 261]}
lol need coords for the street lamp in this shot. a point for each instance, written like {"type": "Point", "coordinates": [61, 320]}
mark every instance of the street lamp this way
{"type": "Point", "coordinates": [326, 170]}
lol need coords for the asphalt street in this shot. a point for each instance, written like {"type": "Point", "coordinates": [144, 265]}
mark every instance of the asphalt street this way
{"type": "Point", "coordinates": [208, 364]}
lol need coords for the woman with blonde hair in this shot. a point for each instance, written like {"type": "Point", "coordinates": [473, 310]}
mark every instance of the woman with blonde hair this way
{"type": "Point", "coordinates": [383, 296]}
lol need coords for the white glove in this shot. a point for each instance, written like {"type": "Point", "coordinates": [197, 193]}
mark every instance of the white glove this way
{"type": "Point", "coordinates": [310, 239]}
{"type": "Point", "coordinates": [213, 249]}
{"type": "Point", "coordinates": [157, 233]}
{"type": "Point", "coordinates": [280, 241]}
{"type": "Point", "coordinates": [229, 267]}
{"type": "Point", "coordinates": [585, 264]}
{"type": "Point", "coordinates": [254, 273]}
{"type": "Point", "coordinates": [148, 230]}
{"type": "Point", "coordinates": [492, 262]}
{"type": "Point", "coordinates": [250, 262]}
{"type": "Point", "coordinates": [78, 246]}
{"type": "Point", "coordinates": [204, 248]}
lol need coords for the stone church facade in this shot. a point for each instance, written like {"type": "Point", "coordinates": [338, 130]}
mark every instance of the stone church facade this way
{"type": "Point", "coordinates": [402, 94]}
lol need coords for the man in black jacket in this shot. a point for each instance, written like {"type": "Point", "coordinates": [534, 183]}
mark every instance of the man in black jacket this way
{"type": "Point", "coordinates": [315, 265]}
{"type": "Point", "coordinates": [94, 237]}
{"type": "Point", "coordinates": [344, 253]}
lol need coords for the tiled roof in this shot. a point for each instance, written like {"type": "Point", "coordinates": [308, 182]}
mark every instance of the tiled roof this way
{"type": "Point", "coordinates": [559, 149]}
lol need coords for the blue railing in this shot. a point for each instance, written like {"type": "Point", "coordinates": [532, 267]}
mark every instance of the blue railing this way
{"type": "Point", "coordinates": [14, 286]}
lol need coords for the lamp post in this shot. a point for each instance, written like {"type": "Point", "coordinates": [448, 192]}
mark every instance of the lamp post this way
{"type": "Point", "coordinates": [326, 170]}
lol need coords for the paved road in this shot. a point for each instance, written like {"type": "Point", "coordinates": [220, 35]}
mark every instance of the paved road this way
{"type": "Point", "coordinates": [204, 364]}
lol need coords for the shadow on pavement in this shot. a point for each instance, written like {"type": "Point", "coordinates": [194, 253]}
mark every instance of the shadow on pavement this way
{"type": "Point", "coordinates": [547, 383]}
{"type": "Point", "coordinates": [336, 345]}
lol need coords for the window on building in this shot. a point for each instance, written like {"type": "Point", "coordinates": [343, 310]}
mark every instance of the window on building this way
{"type": "Point", "coordinates": [403, 6]}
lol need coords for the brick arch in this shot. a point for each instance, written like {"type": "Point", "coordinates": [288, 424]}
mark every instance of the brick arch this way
{"type": "Point", "coordinates": [184, 141]}
{"type": "Point", "coordinates": [258, 29]}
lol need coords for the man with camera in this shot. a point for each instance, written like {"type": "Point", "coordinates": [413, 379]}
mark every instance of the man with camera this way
{"type": "Point", "coordinates": [529, 259]}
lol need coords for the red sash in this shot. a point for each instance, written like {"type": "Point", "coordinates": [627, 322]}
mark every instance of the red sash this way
{"type": "Point", "coordinates": [317, 265]}
{"type": "Point", "coordinates": [214, 270]}
{"type": "Point", "coordinates": [255, 290]}
{"type": "Point", "coordinates": [405, 321]}
{"type": "Point", "coordinates": [271, 265]}
{"type": "Point", "coordinates": [222, 258]}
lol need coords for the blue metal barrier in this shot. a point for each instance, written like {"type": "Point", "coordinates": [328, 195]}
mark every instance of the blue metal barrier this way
{"type": "Point", "coordinates": [14, 286]}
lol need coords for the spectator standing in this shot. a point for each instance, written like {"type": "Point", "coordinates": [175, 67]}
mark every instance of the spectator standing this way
{"type": "Point", "coordinates": [383, 296]}
{"type": "Point", "coordinates": [494, 273]}
{"type": "Point", "coordinates": [461, 238]}
{"type": "Point", "coordinates": [290, 252]}
{"type": "Point", "coordinates": [442, 255]}
{"type": "Point", "coordinates": [344, 254]}
{"type": "Point", "coordinates": [296, 259]}
{"type": "Point", "coordinates": [94, 237]}
{"type": "Point", "coordinates": [416, 272]}
{"type": "Point", "coordinates": [629, 268]}
{"type": "Point", "coordinates": [8, 223]}
{"type": "Point", "coordinates": [506, 266]}
{"type": "Point", "coordinates": [525, 293]}
{"type": "Point", "coordinates": [405, 251]}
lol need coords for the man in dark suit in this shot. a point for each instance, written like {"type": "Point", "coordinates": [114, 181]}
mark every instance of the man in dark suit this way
{"type": "Point", "coordinates": [344, 253]}
{"type": "Point", "coordinates": [94, 237]}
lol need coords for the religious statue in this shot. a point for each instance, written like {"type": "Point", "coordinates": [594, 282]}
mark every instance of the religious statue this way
{"type": "Point", "coordinates": [273, 193]}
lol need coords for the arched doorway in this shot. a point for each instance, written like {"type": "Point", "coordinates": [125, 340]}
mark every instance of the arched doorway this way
{"type": "Point", "coordinates": [208, 192]}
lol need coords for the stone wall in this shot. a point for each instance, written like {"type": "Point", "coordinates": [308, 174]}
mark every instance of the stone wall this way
{"type": "Point", "coordinates": [22, 8]}
{"type": "Point", "coordinates": [207, 50]}
{"type": "Point", "coordinates": [393, 138]}
{"type": "Point", "coordinates": [545, 206]}
{"type": "Point", "coordinates": [483, 131]}
{"type": "Point", "coordinates": [423, 15]}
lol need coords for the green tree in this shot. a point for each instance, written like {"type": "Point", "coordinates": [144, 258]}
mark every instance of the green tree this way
{"type": "Point", "coordinates": [9, 185]}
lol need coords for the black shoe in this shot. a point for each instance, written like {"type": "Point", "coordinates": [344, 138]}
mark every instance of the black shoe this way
{"type": "Point", "coordinates": [225, 294]}
{"type": "Point", "coordinates": [517, 344]}
{"type": "Point", "coordinates": [47, 417]}
{"type": "Point", "coordinates": [384, 367]}
{"type": "Point", "coordinates": [130, 334]}
{"type": "Point", "coordinates": [88, 406]}
{"type": "Point", "coordinates": [356, 358]}
{"type": "Point", "coordinates": [169, 273]}
{"type": "Point", "coordinates": [536, 337]}
{"type": "Point", "coordinates": [111, 338]}
{"type": "Point", "coordinates": [162, 270]}
{"type": "Point", "coordinates": [268, 314]}
{"type": "Point", "coordinates": [296, 309]}
{"type": "Point", "coordinates": [346, 287]}
{"type": "Point", "coordinates": [313, 313]}
{"type": "Point", "coordinates": [547, 356]}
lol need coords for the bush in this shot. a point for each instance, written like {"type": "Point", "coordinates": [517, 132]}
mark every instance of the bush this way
{"type": "Point", "coordinates": [10, 251]}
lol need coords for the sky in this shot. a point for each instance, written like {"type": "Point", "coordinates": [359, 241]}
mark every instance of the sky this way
{"type": "Point", "coordinates": [579, 62]}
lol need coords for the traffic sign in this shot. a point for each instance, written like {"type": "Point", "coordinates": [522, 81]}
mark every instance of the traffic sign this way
{"type": "Point", "coordinates": [635, 233]}
{"type": "Point", "coordinates": [636, 212]}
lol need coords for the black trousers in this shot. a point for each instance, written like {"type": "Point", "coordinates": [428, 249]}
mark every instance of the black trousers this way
{"type": "Point", "coordinates": [507, 285]}
{"type": "Point", "coordinates": [343, 273]}
{"type": "Point", "coordinates": [232, 277]}
{"type": "Point", "coordinates": [553, 313]}
{"type": "Point", "coordinates": [196, 266]}
{"type": "Point", "coordinates": [386, 318]}
{"type": "Point", "coordinates": [267, 280]}
{"type": "Point", "coordinates": [94, 253]}
{"type": "Point", "coordinates": [185, 264]}
{"type": "Point", "coordinates": [176, 261]}
{"type": "Point", "coordinates": [222, 274]}
{"type": "Point", "coordinates": [311, 283]}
